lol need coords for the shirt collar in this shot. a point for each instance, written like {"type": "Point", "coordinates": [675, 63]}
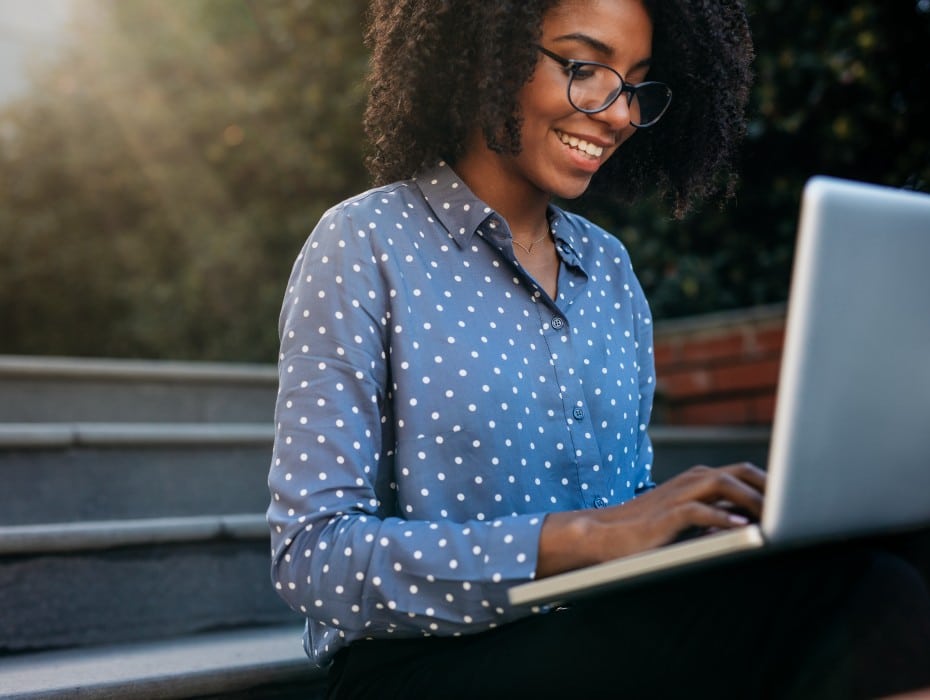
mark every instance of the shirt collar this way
{"type": "Point", "coordinates": [461, 212]}
{"type": "Point", "coordinates": [566, 237]}
{"type": "Point", "coordinates": [453, 204]}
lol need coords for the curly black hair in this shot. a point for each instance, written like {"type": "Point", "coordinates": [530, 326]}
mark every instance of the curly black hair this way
{"type": "Point", "coordinates": [440, 67]}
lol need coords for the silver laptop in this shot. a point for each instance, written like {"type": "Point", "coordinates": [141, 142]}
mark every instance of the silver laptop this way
{"type": "Point", "coordinates": [850, 449]}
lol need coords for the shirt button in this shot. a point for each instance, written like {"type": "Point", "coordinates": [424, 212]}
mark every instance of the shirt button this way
{"type": "Point", "coordinates": [558, 322]}
{"type": "Point", "coordinates": [600, 502]}
{"type": "Point", "coordinates": [578, 413]}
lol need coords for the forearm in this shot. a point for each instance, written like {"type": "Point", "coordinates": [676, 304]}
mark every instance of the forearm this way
{"type": "Point", "coordinates": [566, 542]}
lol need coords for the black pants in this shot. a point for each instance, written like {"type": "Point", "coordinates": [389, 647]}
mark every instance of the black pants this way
{"type": "Point", "coordinates": [838, 622]}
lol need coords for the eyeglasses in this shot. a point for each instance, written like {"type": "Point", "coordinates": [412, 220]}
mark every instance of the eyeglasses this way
{"type": "Point", "coordinates": [593, 87]}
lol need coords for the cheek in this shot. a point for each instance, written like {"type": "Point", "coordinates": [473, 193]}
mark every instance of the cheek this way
{"type": "Point", "coordinates": [625, 135]}
{"type": "Point", "coordinates": [544, 98]}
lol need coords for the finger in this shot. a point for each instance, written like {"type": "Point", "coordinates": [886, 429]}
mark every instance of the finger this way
{"type": "Point", "coordinates": [705, 515]}
{"type": "Point", "coordinates": [708, 485]}
{"type": "Point", "coordinates": [748, 473]}
{"type": "Point", "coordinates": [736, 495]}
{"type": "Point", "coordinates": [722, 486]}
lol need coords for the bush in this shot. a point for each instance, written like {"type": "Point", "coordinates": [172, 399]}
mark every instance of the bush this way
{"type": "Point", "coordinates": [841, 90]}
{"type": "Point", "coordinates": [160, 177]}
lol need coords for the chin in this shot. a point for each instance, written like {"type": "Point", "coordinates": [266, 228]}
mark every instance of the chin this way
{"type": "Point", "coordinates": [572, 190]}
{"type": "Point", "coordinates": [574, 194]}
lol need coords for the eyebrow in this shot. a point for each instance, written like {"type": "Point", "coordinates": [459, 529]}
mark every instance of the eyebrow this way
{"type": "Point", "coordinates": [599, 46]}
{"type": "Point", "coordinates": [595, 44]}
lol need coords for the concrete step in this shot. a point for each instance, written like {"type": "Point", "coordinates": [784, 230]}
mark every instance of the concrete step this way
{"type": "Point", "coordinates": [260, 662]}
{"type": "Point", "coordinates": [133, 499]}
{"type": "Point", "coordinates": [109, 534]}
{"type": "Point", "coordinates": [139, 581]}
{"type": "Point", "coordinates": [54, 389]}
{"type": "Point", "coordinates": [94, 471]}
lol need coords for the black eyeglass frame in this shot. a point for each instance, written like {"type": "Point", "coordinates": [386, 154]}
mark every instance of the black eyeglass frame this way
{"type": "Point", "coordinates": [573, 66]}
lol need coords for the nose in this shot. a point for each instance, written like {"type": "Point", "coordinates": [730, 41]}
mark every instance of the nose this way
{"type": "Point", "coordinates": [617, 116]}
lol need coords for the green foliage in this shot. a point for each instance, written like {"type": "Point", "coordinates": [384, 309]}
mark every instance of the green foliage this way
{"type": "Point", "coordinates": [842, 89]}
{"type": "Point", "coordinates": [159, 179]}
{"type": "Point", "coordinates": [161, 175]}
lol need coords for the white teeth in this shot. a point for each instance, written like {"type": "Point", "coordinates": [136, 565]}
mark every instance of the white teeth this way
{"type": "Point", "coordinates": [582, 145]}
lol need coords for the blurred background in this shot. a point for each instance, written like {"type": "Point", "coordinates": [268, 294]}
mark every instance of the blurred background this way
{"type": "Point", "coordinates": [162, 161]}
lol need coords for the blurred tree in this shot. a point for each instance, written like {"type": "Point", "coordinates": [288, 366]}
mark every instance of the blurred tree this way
{"type": "Point", "coordinates": [160, 177]}
{"type": "Point", "coordinates": [842, 89]}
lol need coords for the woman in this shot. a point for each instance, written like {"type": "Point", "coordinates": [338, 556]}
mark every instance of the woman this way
{"type": "Point", "coordinates": [467, 377]}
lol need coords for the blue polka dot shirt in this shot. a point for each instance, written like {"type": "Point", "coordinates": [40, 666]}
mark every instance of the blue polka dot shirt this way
{"type": "Point", "coordinates": [435, 404]}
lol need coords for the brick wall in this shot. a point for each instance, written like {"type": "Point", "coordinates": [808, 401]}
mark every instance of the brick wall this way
{"type": "Point", "coordinates": [719, 369]}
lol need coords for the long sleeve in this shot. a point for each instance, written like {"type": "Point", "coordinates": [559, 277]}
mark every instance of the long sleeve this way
{"type": "Point", "coordinates": [340, 554]}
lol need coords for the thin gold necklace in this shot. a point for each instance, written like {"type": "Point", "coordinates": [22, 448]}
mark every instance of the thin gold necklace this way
{"type": "Point", "coordinates": [529, 249]}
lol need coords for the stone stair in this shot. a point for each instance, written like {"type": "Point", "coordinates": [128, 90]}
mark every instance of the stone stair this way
{"type": "Point", "coordinates": [132, 527]}
{"type": "Point", "coordinates": [133, 548]}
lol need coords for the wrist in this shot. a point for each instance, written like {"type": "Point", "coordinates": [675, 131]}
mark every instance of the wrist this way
{"type": "Point", "coordinates": [566, 542]}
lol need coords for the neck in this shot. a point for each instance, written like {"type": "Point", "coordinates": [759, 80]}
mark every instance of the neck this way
{"type": "Point", "coordinates": [491, 178]}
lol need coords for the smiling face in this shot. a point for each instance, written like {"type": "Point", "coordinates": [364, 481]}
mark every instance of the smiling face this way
{"type": "Point", "coordinates": [562, 148]}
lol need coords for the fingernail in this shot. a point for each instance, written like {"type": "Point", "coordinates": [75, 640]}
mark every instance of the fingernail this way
{"type": "Point", "coordinates": [738, 519]}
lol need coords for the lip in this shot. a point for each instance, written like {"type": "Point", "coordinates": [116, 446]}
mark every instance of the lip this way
{"type": "Point", "coordinates": [580, 160]}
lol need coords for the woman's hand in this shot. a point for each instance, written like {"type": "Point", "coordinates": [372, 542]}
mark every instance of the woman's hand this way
{"type": "Point", "coordinates": [702, 497]}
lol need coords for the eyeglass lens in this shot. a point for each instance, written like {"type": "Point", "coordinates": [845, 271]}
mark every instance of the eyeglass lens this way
{"type": "Point", "coordinates": [593, 88]}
